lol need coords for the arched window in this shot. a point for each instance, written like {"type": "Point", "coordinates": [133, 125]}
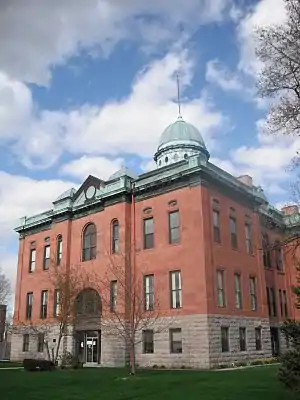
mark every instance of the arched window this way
{"type": "Point", "coordinates": [88, 303]}
{"type": "Point", "coordinates": [59, 243]}
{"type": "Point", "coordinates": [89, 242]}
{"type": "Point", "coordinates": [115, 236]}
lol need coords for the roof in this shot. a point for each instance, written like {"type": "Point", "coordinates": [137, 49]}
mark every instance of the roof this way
{"type": "Point", "coordinates": [181, 131]}
{"type": "Point", "coordinates": [122, 172]}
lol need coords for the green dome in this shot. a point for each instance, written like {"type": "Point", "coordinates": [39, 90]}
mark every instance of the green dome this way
{"type": "Point", "coordinates": [181, 131]}
{"type": "Point", "coordinates": [124, 171]}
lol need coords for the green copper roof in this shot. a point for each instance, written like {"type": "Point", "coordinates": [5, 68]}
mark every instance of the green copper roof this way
{"type": "Point", "coordinates": [181, 131]}
{"type": "Point", "coordinates": [124, 171]}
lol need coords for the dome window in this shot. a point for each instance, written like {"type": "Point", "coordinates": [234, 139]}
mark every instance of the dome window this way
{"type": "Point", "coordinates": [166, 159]}
{"type": "Point", "coordinates": [185, 156]}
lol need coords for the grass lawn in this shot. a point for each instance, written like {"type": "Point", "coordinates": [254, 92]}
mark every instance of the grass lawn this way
{"type": "Point", "coordinates": [108, 384]}
{"type": "Point", "coordinates": [8, 364]}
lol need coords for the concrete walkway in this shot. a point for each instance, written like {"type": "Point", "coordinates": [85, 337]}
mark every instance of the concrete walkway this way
{"type": "Point", "coordinates": [6, 368]}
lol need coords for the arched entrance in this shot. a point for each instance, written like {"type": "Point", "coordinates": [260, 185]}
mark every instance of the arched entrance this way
{"type": "Point", "coordinates": [88, 312]}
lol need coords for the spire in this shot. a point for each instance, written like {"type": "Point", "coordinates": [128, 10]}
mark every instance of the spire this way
{"type": "Point", "coordinates": [178, 96]}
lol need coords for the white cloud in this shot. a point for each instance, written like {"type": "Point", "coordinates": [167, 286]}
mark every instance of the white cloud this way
{"type": "Point", "coordinates": [264, 13]}
{"type": "Point", "coordinates": [217, 74]}
{"type": "Point", "coordinates": [35, 35]}
{"type": "Point", "coordinates": [129, 126]}
{"type": "Point", "coordinates": [100, 167]}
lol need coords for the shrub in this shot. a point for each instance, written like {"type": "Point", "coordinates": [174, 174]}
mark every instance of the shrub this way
{"type": "Point", "coordinates": [257, 362]}
{"type": "Point", "coordinates": [68, 360]}
{"type": "Point", "coordinates": [289, 371]}
{"type": "Point", "coordinates": [38, 365]}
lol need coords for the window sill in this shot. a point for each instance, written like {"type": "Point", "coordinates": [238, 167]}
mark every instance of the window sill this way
{"type": "Point", "coordinates": [280, 272]}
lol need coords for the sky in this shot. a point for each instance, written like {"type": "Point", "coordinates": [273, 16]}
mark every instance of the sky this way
{"type": "Point", "coordinates": [89, 86]}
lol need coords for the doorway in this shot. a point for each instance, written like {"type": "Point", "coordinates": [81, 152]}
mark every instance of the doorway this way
{"type": "Point", "coordinates": [275, 341]}
{"type": "Point", "coordinates": [92, 344]}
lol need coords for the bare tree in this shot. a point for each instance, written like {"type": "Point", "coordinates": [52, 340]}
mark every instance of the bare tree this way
{"type": "Point", "coordinates": [279, 50]}
{"type": "Point", "coordinates": [67, 283]}
{"type": "Point", "coordinates": [5, 288]}
{"type": "Point", "coordinates": [127, 311]}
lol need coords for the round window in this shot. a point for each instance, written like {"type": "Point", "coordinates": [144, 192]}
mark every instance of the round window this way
{"type": "Point", "coordinates": [166, 159]}
{"type": "Point", "coordinates": [185, 156]}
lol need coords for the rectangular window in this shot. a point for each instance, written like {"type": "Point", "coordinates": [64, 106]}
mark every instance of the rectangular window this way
{"type": "Point", "coordinates": [32, 258]}
{"type": "Point", "coordinates": [281, 302]}
{"type": "Point", "coordinates": [113, 295]}
{"type": "Point", "coordinates": [253, 295]}
{"type": "Point", "coordinates": [59, 250]}
{"type": "Point", "coordinates": [273, 302]}
{"type": "Point", "coordinates": [243, 340]}
{"type": "Point", "coordinates": [56, 310]}
{"type": "Point", "coordinates": [46, 263]}
{"type": "Point", "coordinates": [233, 233]}
{"type": "Point", "coordinates": [285, 304]}
{"type": "Point", "coordinates": [149, 292]}
{"type": "Point", "coordinates": [148, 233]}
{"type": "Point", "coordinates": [279, 257]}
{"type": "Point", "coordinates": [40, 342]}
{"type": "Point", "coordinates": [258, 339]}
{"type": "Point", "coordinates": [176, 292]}
{"type": "Point", "coordinates": [44, 304]}
{"type": "Point", "coordinates": [249, 247]}
{"type": "Point", "coordinates": [174, 227]}
{"type": "Point", "coordinates": [225, 339]}
{"type": "Point", "coordinates": [25, 346]}
{"type": "Point", "coordinates": [238, 291]}
{"type": "Point", "coordinates": [269, 301]}
{"type": "Point", "coordinates": [175, 340]}
{"type": "Point", "coordinates": [148, 341]}
{"type": "Point", "coordinates": [216, 225]}
{"type": "Point", "coordinates": [29, 303]}
{"type": "Point", "coordinates": [220, 288]}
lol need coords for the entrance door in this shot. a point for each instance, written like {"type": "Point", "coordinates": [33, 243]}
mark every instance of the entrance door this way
{"type": "Point", "coordinates": [91, 349]}
{"type": "Point", "coordinates": [275, 341]}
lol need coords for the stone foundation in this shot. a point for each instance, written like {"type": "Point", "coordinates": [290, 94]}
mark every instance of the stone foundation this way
{"type": "Point", "coordinates": [201, 343]}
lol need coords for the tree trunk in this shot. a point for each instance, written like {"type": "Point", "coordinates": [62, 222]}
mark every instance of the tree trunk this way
{"type": "Point", "coordinates": [132, 364]}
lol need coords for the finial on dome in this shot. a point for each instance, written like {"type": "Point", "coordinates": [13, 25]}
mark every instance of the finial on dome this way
{"type": "Point", "coordinates": [178, 96]}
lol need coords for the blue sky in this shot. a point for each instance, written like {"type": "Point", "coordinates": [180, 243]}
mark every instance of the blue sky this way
{"type": "Point", "coordinates": [88, 86]}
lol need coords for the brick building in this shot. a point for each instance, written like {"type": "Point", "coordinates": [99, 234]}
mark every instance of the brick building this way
{"type": "Point", "coordinates": [210, 240]}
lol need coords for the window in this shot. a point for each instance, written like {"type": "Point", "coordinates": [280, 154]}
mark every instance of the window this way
{"type": "Point", "coordinates": [115, 237]}
{"type": "Point", "coordinates": [88, 302]}
{"type": "Point", "coordinates": [32, 258]}
{"type": "Point", "coordinates": [285, 304]}
{"type": "Point", "coordinates": [220, 288]}
{"type": "Point", "coordinates": [266, 252]}
{"type": "Point", "coordinates": [272, 300]}
{"type": "Point", "coordinates": [89, 245]}
{"type": "Point", "coordinates": [59, 244]}
{"type": "Point", "coordinates": [40, 344]}
{"type": "Point", "coordinates": [174, 227]}
{"type": "Point", "coordinates": [281, 302]}
{"type": "Point", "coordinates": [29, 302]}
{"type": "Point", "coordinates": [44, 304]}
{"type": "Point", "coordinates": [176, 294]}
{"type": "Point", "coordinates": [175, 340]}
{"type": "Point", "coordinates": [148, 233]}
{"type": "Point", "coordinates": [148, 342]}
{"type": "Point", "coordinates": [253, 295]}
{"type": "Point", "coordinates": [149, 292]}
{"type": "Point", "coordinates": [216, 224]}
{"type": "Point", "coordinates": [25, 342]}
{"type": "Point", "coordinates": [233, 234]}
{"type": "Point", "coordinates": [258, 339]}
{"type": "Point", "coordinates": [113, 295]}
{"type": "Point", "coordinates": [46, 263]}
{"type": "Point", "coordinates": [225, 339]}
{"type": "Point", "coordinates": [249, 247]}
{"type": "Point", "coordinates": [243, 341]}
{"type": "Point", "coordinates": [56, 303]}
{"type": "Point", "coordinates": [238, 291]}
{"type": "Point", "coordinates": [278, 256]}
